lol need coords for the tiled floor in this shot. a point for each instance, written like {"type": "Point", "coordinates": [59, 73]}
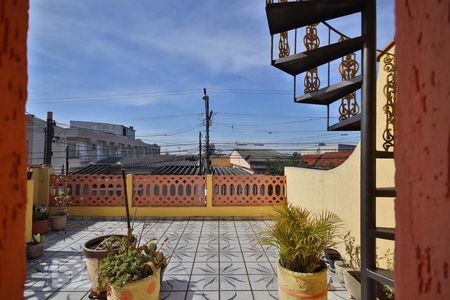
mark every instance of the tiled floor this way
{"type": "Point", "coordinates": [211, 259]}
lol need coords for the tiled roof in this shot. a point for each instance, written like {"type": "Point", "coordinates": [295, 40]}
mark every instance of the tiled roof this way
{"type": "Point", "coordinates": [325, 160]}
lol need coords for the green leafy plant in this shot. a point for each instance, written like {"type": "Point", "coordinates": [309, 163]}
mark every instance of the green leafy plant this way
{"type": "Point", "coordinates": [62, 201]}
{"type": "Point", "coordinates": [128, 261]}
{"type": "Point", "coordinates": [40, 212]}
{"type": "Point", "coordinates": [353, 252]}
{"type": "Point", "coordinates": [36, 239]}
{"type": "Point", "coordinates": [301, 238]}
{"type": "Point", "coordinates": [276, 167]}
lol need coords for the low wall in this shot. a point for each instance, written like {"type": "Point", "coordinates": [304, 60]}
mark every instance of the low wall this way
{"type": "Point", "coordinates": [338, 190]}
{"type": "Point", "coordinates": [170, 196]}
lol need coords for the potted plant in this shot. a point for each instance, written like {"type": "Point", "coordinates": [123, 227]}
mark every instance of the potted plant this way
{"type": "Point", "coordinates": [132, 271]}
{"type": "Point", "coordinates": [35, 247]}
{"type": "Point", "coordinates": [62, 201]}
{"type": "Point", "coordinates": [40, 219]}
{"type": "Point", "coordinates": [301, 238]}
{"type": "Point", "coordinates": [351, 269]}
{"type": "Point", "coordinates": [352, 262]}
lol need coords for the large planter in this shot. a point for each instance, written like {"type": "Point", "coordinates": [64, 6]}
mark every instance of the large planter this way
{"type": "Point", "coordinates": [339, 271]}
{"type": "Point", "coordinates": [294, 285]}
{"type": "Point", "coordinates": [40, 227]}
{"type": "Point", "coordinates": [93, 261]}
{"type": "Point", "coordinates": [143, 289]}
{"type": "Point", "coordinates": [352, 285]}
{"type": "Point", "coordinates": [34, 250]}
{"type": "Point", "coordinates": [58, 222]}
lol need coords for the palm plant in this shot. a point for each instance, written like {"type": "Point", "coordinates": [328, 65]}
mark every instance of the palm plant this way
{"type": "Point", "coordinates": [301, 237]}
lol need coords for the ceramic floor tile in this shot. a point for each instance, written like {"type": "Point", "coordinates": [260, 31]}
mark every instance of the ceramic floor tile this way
{"type": "Point", "coordinates": [204, 283]}
{"type": "Point", "coordinates": [266, 295]}
{"type": "Point", "coordinates": [175, 283]}
{"type": "Point", "coordinates": [237, 295]}
{"type": "Point", "coordinates": [207, 256]}
{"type": "Point", "coordinates": [234, 282]}
{"type": "Point", "coordinates": [233, 256]}
{"type": "Point", "coordinates": [231, 267]}
{"type": "Point", "coordinates": [205, 268]}
{"type": "Point", "coordinates": [34, 295]}
{"type": "Point", "coordinates": [257, 268]}
{"type": "Point", "coordinates": [179, 268]}
{"type": "Point", "coordinates": [263, 282]}
{"type": "Point", "coordinates": [202, 295]}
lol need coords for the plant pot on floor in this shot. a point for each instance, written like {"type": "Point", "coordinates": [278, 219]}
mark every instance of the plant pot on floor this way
{"type": "Point", "coordinates": [143, 289]}
{"type": "Point", "coordinates": [40, 227]}
{"type": "Point", "coordinates": [352, 282]}
{"type": "Point", "coordinates": [94, 258]}
{"type": "Point", "coordinates": [34, 250]}
{"type": "Point", "coordinates": [339, 271]}
{"type": "Point", "coordinates": [294, 285]}
{"type": "Point", "coordinates": [58, 222]}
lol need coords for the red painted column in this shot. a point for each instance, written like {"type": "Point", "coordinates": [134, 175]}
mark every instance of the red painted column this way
{"type": "Point", "coordinates": [13, 156]}
{"type": "Point", "coordinates": [422, 150]}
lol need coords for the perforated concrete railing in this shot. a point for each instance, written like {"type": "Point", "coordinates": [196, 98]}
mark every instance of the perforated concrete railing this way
{"type": "Point", "coordinates": [255, 190]}
{"type": "Point", "coordinates": [88, 190]}
{"type": "Point", "coordinates": [169, 190]}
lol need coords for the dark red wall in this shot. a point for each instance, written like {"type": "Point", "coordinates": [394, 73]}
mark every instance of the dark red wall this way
{"type": "Point", "coordinates": [423, 149]}
{"type": "Point", "coordinates": [13, 157]}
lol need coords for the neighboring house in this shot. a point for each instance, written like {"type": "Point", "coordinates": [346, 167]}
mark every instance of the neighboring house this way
{"type": "Point", "coordinates": [324, 148]}
{"type": "Point", "coordinates": [87, 142]}
{"type": "Point", "coordinates": [254, 160]}
{"type": "Point", "coordinates": [326, 160]}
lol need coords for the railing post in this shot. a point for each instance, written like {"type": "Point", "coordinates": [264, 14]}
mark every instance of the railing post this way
{"type": "Point", "coordinates": [129, 192]}
{"type": "Point", "coordinates": [209, 190]}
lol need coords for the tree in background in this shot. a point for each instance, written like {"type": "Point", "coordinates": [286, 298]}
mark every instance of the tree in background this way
{"type": "Point", "coordinates": [276, 166]}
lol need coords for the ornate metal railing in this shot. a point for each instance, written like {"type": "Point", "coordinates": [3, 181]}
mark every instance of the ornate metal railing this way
{"type": "Point", "coordinates": [389, 91]}
{"type": "Point", "coordinates": [248, 190]}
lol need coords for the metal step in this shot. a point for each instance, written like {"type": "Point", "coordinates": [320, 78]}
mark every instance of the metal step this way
{"type": "Point", "coordinates": [286, 16]}
{"type": "Point", "coordinates": [302, 62]}
{"type": "Point", "coordinates": [351, 124]}
{"type": "Point", "coordinates": [385, 192]}
{"type": "Point", "coordinates": [383, 276]}
{"type": "Point", "coordinates": [331, 93]}
{"type": "Point", "coordinates": [385, 154]}
{"type": "Point", "coordinates": [385, 233]}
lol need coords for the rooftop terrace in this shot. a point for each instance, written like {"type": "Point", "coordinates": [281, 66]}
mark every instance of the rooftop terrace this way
{"type": "Point", "coordinates": [211, 259]}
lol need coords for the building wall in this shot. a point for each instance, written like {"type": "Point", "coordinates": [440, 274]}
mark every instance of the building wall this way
{"type": "Point", "coordinates": [118, 130]}
{"type": "Point", "coordinates": [338, 189]}
{"type": "Point", "coordinates": [237, 160]}
{"type": "Point", "coordinates": [321, 149]}
{"type": "Point", "coordinates": [13, 153]}
{"type": "Point", "coordinates": [423, 148]}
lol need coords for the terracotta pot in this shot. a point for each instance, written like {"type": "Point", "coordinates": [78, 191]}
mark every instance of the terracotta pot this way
{"type": "Point", "coordinates": [294, 285]}
{"type": "Point", "coordinates": [93, 261]}
{"type": "Point", "coordinates": [40, 227]}
{"type": "Point", "coordinates": [352, 285]}
{"type": "Point", "coordinates": [143, 289]}
{"type": "Point", "coordinates": [34, 250]}
{"type": "Point", "coordinates": [58, 222]}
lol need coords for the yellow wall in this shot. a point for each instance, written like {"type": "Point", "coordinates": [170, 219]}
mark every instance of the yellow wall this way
{"type": "Point", "coordinates": [29, 211]}
{"type": "Point", "coordinates": [220, 161]}
{"type": "Point", "coordinates": [338, 189]}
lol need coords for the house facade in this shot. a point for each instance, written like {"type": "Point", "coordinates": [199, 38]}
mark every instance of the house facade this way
{"type": "Point", "coordinates": [86, 141]}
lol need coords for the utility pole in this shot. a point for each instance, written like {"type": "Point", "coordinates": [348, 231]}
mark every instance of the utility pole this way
{"type": "Point", "coordinates": [49, 134]}
{"type": "Point", "coordinates": [200, 152]}
{"type": "Point", "coordinates": [208, 115]}
{"type": "Point", "coordinates": [67, 160]}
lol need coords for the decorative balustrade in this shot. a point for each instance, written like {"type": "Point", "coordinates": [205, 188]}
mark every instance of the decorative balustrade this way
{"type": "Point", "coordinates": [248, 190]}
{"type": "Point", "coordinates": [88, 190]}
{"type": "Point", "coordinates": [167, 190]}
{"type": "Point", "coordinates": [170, 191]}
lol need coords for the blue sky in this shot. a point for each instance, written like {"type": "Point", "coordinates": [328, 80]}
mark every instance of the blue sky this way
{"type": "Point", "coordinates": [145, 64]}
